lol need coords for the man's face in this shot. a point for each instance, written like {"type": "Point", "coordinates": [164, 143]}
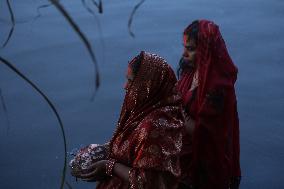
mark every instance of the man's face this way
{"type": "Point", "coordinates": [189, 49]}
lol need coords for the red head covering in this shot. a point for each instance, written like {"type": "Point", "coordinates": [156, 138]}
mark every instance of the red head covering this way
{"type": "Point", "coordinates": [153, 87]}
{"type": "Point", "coordinates": [148, 137]}
{"type": "Point", "coordinates": [215, 155]}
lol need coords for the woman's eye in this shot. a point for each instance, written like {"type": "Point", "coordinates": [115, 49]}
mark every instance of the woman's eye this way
{"type": "Point", "coordinates": [190, 48]}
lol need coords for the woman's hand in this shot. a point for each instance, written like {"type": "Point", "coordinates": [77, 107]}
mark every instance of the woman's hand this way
{"type": "Point", "coordinates": [96, 172]}
{"type": "Point", "coordinates": [189, 124]}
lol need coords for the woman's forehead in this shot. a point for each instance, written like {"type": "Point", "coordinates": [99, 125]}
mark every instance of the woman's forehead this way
{"type": "Point", "coordinates": [185, 38]}
{"type": "Point", "coordinates": [188, 40]}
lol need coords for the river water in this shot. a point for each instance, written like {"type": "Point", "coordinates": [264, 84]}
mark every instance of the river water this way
{"type": "Point", "coordinates": [48, 52]}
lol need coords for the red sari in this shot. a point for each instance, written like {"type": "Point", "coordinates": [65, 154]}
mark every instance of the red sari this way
{"type": "Point", "coordinates": [148, 137]}
{"type": "Point", "coordinates": [214, 157]}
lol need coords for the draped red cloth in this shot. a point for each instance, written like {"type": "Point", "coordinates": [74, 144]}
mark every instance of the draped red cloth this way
{"type": "Point", "coordinates": [148, 137]}
{"type": "Point", "coordinates": [215, 143]}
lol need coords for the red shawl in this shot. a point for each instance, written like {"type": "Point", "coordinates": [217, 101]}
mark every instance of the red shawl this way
{"type": "Point", "coordinates": [216, 149]}
{"type": "Point", "coordinates": [148, 137]}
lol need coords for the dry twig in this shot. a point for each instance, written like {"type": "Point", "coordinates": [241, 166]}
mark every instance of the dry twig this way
{"type": "Point", "coordinates": [83, 38]}
{"type": "Point", "coordinates": [14, 69]}
{"type": "Point", "coordinates": [12, 17]}
{"type": "Point", "coordinates": [132, 15]}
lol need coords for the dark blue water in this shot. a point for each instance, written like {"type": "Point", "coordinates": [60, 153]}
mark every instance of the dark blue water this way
{"type": "Point", "coordinates": [51, 55]}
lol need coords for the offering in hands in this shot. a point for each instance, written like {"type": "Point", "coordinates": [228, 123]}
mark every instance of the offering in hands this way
{"type": "Point", "coordinates": [86, 156]}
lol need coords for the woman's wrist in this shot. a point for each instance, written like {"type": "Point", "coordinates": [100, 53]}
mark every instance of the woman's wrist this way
{"type": "Point", "coordinates": [110, 166]}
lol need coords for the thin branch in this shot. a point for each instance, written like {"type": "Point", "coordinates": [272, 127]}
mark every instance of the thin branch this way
{"type": "Point", "coordinates": [68, 185]}
{"type": "Point", "coordinates": [39, 14]}
{"type": "Point", "coordinates": [84, 39]}
{"type": "Point", "coordinates": [12, 17]}
{"type": "Point", "coordinates": [99, 6]}
{"type": "Point", "coordinates": [132, 15]}
{"type": "Point", "coordinates": [5, 111]}
{"type": "Point", "coordinates": [87, 7]}
{"type": "Point", "coordinates": [39, 8]}
{"type": "Point", "coordinates": [95, 3]}
{"type": "Point", "coordinates": [14, 69]}
{"type": "Point", "coordinates": [98, 25]}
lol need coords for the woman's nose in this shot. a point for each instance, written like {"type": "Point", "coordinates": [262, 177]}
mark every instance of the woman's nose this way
{"type": "Point", "coordinates": [185, 53]}
{"type": "Point", "coordinates": [125, 85]}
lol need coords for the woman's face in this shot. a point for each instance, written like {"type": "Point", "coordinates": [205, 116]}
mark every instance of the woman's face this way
{"type": "Point", "coordinates": [129, 78]}
{"type": "Point", "coordinates": [189, 49]}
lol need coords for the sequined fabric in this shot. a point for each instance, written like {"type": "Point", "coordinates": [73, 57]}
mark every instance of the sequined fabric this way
{"type": "Point", "coordinates": [215, 143]}
{"type": "Point", "coordinates": [86, 156]}
{"type": "Point", "coordinates": [148, 137]}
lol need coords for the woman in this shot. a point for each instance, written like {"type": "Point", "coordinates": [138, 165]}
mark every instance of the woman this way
{"type": "Point", "coordinates": [144, 150]}
{"type": "Point", "coordinates": [211, 148]}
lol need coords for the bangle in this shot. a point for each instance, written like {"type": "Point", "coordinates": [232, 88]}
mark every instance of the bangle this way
{"type": "Point", "coordinates": [109, 167]}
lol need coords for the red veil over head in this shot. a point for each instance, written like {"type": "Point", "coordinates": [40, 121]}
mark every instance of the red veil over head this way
{"type": "Point", "coordinates": [148, 137]}
{"type": "Point", "coordinates": [153, 88]}
{"type": "Point", "coordinates": [215, 152]}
